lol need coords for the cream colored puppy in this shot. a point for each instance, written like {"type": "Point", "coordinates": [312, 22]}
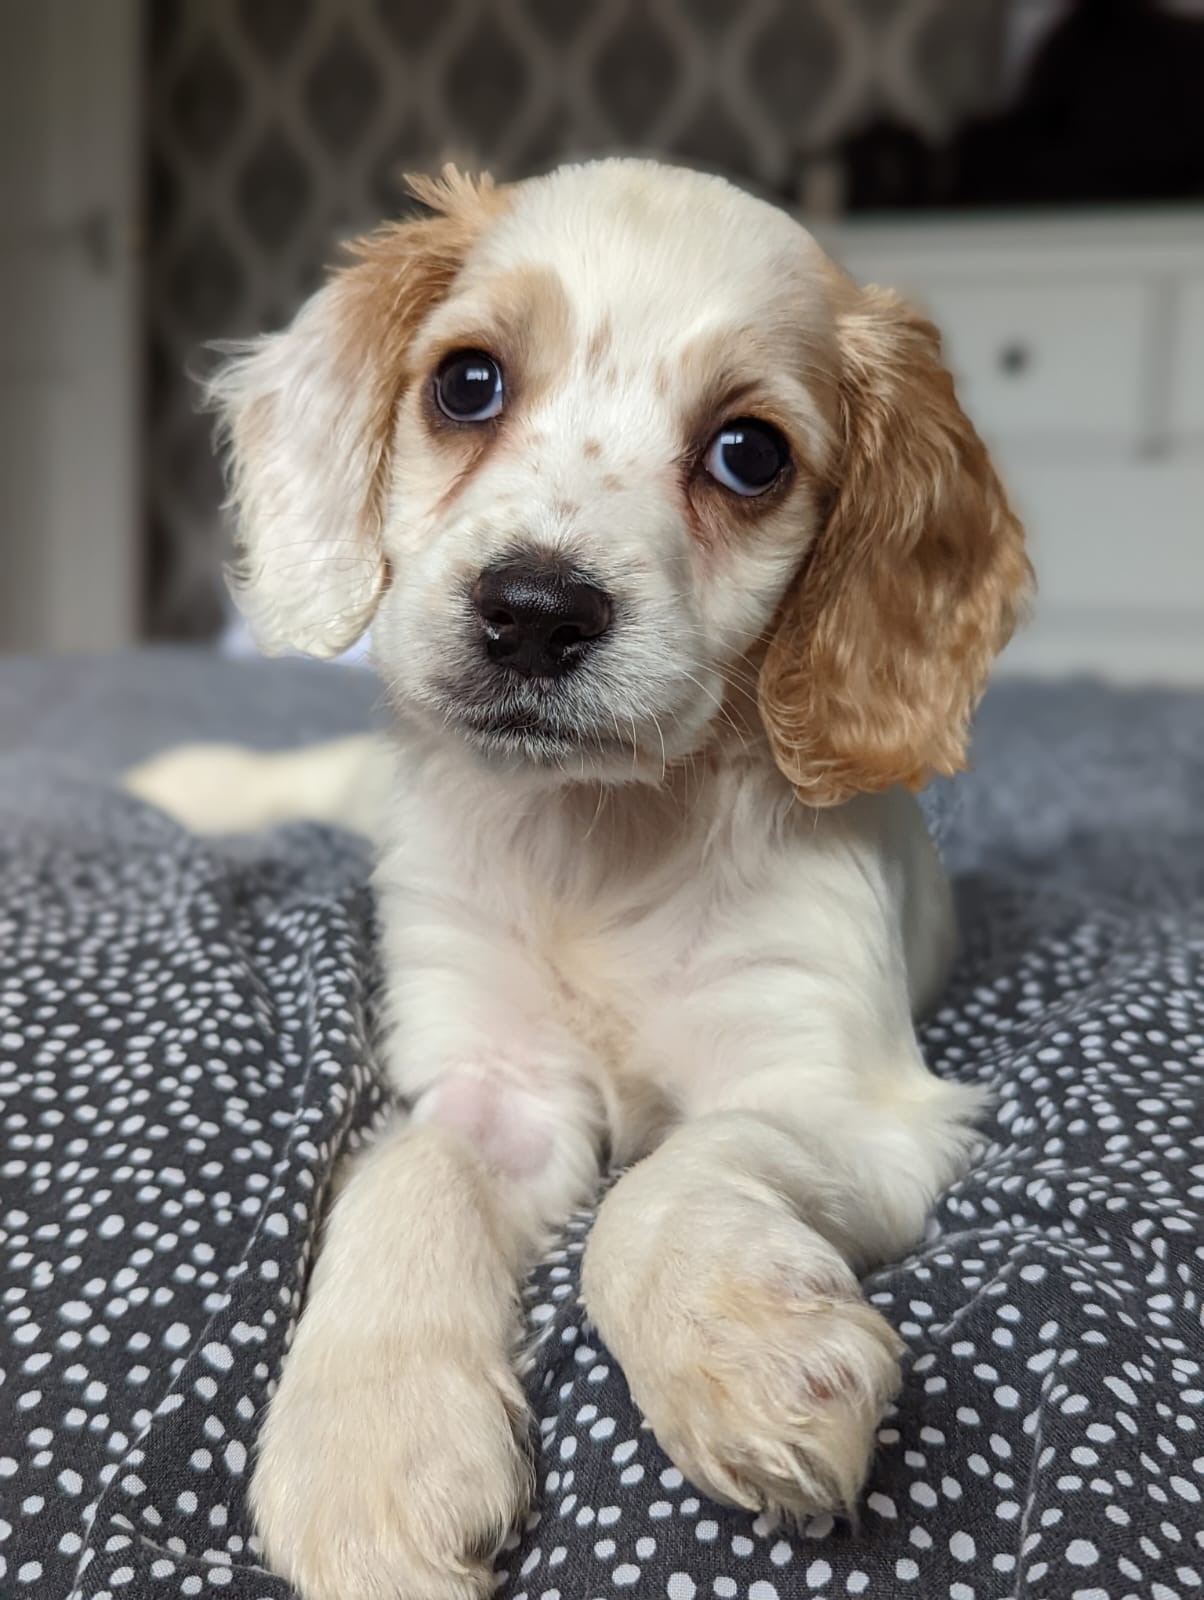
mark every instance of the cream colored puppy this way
{"type": "Point", "coordinates": [683, 565]}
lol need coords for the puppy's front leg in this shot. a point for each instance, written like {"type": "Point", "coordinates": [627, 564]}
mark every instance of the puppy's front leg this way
{"type": "Point", "coordinates": [720, 1272]}
{"type": "Point", "coordinates": [393, 1460]}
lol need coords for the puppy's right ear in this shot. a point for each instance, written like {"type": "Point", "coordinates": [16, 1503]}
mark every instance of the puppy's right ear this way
{"type": "Point", "coordinates": [307, 416]}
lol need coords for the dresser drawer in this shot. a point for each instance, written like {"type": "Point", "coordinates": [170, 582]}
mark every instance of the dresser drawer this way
{"type": "Point", "coordinates": [1045, 358]}
{"type": "Point", "coordinates": [1187, 389]}
{"type": "Point", "coordinates": [1118, 547]}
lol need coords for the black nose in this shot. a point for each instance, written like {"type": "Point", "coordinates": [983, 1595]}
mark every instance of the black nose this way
{"type": "Point", "coordinates": [537, 619]}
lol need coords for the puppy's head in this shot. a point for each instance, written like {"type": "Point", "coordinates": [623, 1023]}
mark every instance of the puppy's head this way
{"type": "Point", "coordinates": [614, 457]}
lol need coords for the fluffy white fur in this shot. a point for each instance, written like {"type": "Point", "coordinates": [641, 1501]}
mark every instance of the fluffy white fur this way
{"type": "Point", "coordinates": [641, 947]}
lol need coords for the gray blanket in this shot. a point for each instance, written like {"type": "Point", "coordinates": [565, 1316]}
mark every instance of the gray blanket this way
{"type": "Point", "coordinates": [185, 1049]}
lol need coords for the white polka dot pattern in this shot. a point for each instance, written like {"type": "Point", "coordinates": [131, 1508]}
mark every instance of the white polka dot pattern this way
{"type": "Point", "coordinates": [183, 1050]}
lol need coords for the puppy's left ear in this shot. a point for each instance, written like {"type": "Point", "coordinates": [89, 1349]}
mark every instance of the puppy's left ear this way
{"type": "Point", "coordinates": [308, 415]}
{"type": "Point", "coordinates": [915, 582]}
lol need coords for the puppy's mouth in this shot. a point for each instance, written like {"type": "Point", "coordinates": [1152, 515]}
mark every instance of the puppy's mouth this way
{"type": "Point", "coordinates": [533, 736]}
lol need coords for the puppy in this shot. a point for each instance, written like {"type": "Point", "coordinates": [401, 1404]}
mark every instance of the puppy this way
{"type": "Point", "coordinates": [683, 566]}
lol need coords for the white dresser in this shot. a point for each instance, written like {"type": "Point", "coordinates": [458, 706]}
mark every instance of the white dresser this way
{"type": "Point", "coordinates": [1078, 347]}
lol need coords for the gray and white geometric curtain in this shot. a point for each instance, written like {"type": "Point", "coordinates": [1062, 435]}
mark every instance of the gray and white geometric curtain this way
{"type": "Point", "coordinates": [277, 127]}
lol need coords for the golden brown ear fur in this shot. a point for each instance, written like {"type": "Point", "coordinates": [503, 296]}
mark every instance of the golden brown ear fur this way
{"type": "Point", "coordinates": [399, 275]}
{"type": "Point", "coordinates": [914, 584]}
{"type": "Point", "coordinates": [308, 416]}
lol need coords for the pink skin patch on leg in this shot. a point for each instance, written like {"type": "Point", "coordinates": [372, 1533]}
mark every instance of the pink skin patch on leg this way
{"type": "Point", "coordinates": [498, 1119]}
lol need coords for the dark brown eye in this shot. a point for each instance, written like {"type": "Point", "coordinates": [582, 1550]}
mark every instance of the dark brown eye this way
{"type": "Point", "coordinates": [468, 386]}
{"type": "Point", "coordinates": [746, 456]}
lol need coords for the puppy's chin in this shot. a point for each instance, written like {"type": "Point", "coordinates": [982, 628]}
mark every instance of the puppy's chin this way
{"type": "Point", "coordinates": [553, 743]}
{"type": "Point", "coordinates": [538, 741]}
{"type": "Point", "coordinates": [556, 752]}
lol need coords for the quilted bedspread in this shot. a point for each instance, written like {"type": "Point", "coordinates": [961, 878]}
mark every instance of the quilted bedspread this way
{"type": "Point", "coordinates": [185, 1049]}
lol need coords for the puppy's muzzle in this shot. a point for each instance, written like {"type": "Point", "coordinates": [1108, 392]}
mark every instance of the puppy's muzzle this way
{"type": "Point", "coordinates": [537, 619]}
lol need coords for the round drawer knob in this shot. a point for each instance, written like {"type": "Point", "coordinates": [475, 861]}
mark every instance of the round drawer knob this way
{"type": "Point", "coordinates": [1014, 358]}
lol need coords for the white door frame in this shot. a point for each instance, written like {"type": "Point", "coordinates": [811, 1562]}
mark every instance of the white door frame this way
{"type": "Point", "coordinates": [70, 348]}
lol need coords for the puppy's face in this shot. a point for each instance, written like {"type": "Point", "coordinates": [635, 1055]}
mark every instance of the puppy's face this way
{"type": "Point", "coordinates": [594, 452]}
{"type": "Point", "coordinates": [606, 470]}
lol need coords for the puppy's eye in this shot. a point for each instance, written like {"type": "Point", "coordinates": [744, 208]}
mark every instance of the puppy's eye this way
{"type": "Point", "coordinates": [746, 456]}
{"type": "Point", "coordinates": [468, 386]}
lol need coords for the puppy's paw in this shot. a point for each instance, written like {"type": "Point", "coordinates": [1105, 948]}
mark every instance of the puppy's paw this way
{"type": "Point", "coordinates": [763, 1373]}
{"type": "Point", "coordinates": [394, 1475]}
{"type": "Point", "coordinates": [775, 1406]}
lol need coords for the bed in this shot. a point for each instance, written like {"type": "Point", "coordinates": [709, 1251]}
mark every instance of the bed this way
{"type": "Point", "coordinates": [185, 1050]}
